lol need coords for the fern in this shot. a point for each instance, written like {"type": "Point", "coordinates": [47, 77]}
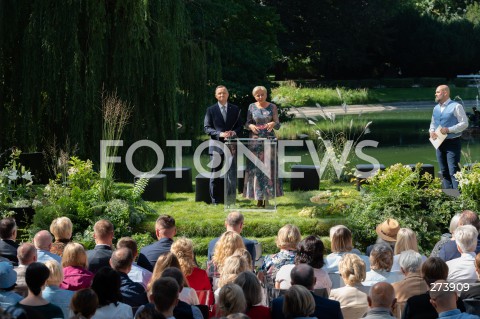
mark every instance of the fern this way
{"type": "Point", "coordinates": [139, 187]}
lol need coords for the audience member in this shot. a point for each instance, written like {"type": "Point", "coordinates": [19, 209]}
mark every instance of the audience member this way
{"type": "Point", "coordinates": [381, 261]}
{"type": "Point", "coordinates": [225, 247]}
{"type": "Point", "coordinates": [446, 237]}
{"type": "Point", "coordinates": [474, 289]}
{"type": "Point", "coordinates": [419, 306]}
{"type": "Point", "coordinates": [100, 256]}
{"type": "Point", "coordinates": [243, 252]}
{"type": "Point", "coordinates": [106, 285]}
{"type": "Point", "coordinates": [450, 251]}
{"type": "Point", "coordinates": [137, 273]}
{"type": "Point", "coordinates": [304, 275]}
{"type": "Point", "coordinates": [197, 278]}
{"type": "Point", "coordinates": [8, 277]}
{"type": "Point", "coordinates": [43, 244]}
{"type": "Point", "coordinates": [165, 230]}
{"type": "Point", "coordinates": [352, 298]}
{"type": "Point", "coordinates": [341, 244]}
{"type": "Point", "coordinates": [234, 222]}
{"type": "Point", "coordinates": [75, 273]}
{"type": "Point", "coordinates": [164, 297]}
{"type": "Point", "coordinates": [182, 310]}
{"type": "Point", "coordinates": [133, 292]}
{"type": "Point", "coordinates": [27, 254]}
{"type": "Point", "coordinates": [230, 300]}
{"type": "Point", "coordinates": [84, 304]}
{"type": "Point", "coordinates": [413, 284]}
{"type": "Point", "coordinates": [252, 290]}
{"type": "Point", "coordinates": [298, 303]}
{"type": "Point", "coordinates": [310, 251]}
{"type": "Point", "coordinates": [406, 240]}
{"type": "Point", "coordinates": [52, 291]}
{"type": "Point", "coordinates": [8, 235]}
{"type": "Point", "coordinates": [232, 267]}
{"type": "Point", "coordinates": [62, 229]}
{"type": "Point", "coordinates": [381, 301]}
{"type": "Point", "coordinates": [168, 260]}
{"type": "Point", "coordinates": [462, 269]}
{"type": "Point", "coordinates": [386, 234]}
{"type": "Point", "coordinates": [287, 239]}
{"type": "Point", "coordinates": [149, 313]}
{"type": "Point", "coordinates": [444, 300]}
{"type": "Point", "coordinates": [34, 304]}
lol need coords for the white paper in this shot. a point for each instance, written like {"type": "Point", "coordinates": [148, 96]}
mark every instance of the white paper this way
{"type": "Point", "coordinates": [440, 138]}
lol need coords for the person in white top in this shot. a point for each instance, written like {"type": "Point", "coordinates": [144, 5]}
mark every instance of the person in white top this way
{"type": "Point", "coordinates": [309, 251]}
{"type": "Point", "coordinates": [462, 269]}
{"type": "Point", "coordinates": [137, 273]}
{"type": "Point", "coordinates": [43, 243]}
{"type": "Point", "coordinates": [381, 261]}
{"type": "Point", "coordinates": [341, 244]}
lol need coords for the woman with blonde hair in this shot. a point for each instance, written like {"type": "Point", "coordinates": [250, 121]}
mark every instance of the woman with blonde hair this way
{"type": "Point", "coordinates": [298, 303]}
{"type": "Point", "coordinates": [406, 240]}
{"type": "Point", "coordinates": [287, 239]}
{"type": "Point", "coordinates": [61, 228]}
{"type": "Point", "coordinates": [341, 243]}
{"type": "Point", "coordinates": [75, 268]}
{"type": "Point", "coordinates": [232, 267]}
{"type": "Point", "coordinates": [225, 247]}
{"type": "Point", "coordinates": [52, 291]}
{"type": "Point", "coordinates": [197, 278]}
{"type": "Point", "coordinates": [230, 300]}
{"type": "Point", "coordinates": [165, 261]}
{"type": "Point", "coordinates": [352, 298]}
{"type": "Point", "coordinates": [262, 120]}
{"type": "Point", "coordinates": [243, 252]}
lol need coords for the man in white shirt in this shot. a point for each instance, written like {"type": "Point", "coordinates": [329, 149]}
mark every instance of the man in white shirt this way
{"type": "Point", "coordinates": [462, 269]}
{"type": "Point", "coordinates": [452, 120]}
{"type": "Point", "coordinates": [137, 273]}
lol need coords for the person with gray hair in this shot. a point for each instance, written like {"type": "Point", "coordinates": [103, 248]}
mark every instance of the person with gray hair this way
{"type": "Point", "coordinates": [446, 237]}
{"type": "Point", "coordinates": [381, 301]}
{"type": "Point", "coordinates": [413, 283]}
{"type": "Point", "coordinates": [449, 251]}
{"type": "Point", "coordinates": [462, 269]}
{"type": "Point", "coordinates": [381, 261]}
{"type": "Point", "coordinates": [43, 243]}
{"type": "Point", "coordinates": [26, 254]}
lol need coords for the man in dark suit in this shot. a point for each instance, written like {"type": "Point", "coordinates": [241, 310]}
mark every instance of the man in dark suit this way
{"type": "Point", "coordinates": [450, 251]}
{"type": "Point", "coordinates": [222, 120]}
{"type": "Point", "coordinates": [133, 293]}
{"type": "Point", "coordinates": [8, 234]}
{"type": "Point", "coordinates": [100, 256]}
{"type": "Point", "coordinates": [303, 275]}
{"type": "Point", "coordinates": [234, 222]}
{"type": "Point", "coordinates": [165, 230]}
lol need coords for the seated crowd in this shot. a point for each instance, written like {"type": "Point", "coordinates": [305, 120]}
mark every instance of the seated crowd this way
{"type": "Point", "coordinates": [54, 277]}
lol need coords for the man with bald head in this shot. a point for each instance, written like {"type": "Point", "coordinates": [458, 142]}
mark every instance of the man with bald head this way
{"type": "Point", "coordinates": [381, 301]}
{"type": "Point", "coordinates": [43, 243]}
{"type": "Point", "coordinates": [452, 120]}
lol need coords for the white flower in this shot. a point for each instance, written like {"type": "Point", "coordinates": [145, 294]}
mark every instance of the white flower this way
{"type": "Point", "coordinates": [12, 175]}
{"type": "Point", "coordinates": [28, 176]}
{"type": "Point", "coordinates": [311, 122]}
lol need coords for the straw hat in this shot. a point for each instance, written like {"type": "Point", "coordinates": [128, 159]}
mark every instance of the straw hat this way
{"type": "Point", "coordinates": [388, 230]}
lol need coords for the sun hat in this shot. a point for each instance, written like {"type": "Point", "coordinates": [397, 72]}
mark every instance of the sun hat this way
{"type": "Point", "coordinates": [8, 276]}
{"type": "Point", "coordinates": [388, 229]}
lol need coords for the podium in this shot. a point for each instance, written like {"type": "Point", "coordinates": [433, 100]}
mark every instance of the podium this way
{"type": "Point", "coordinates": [257, 160]}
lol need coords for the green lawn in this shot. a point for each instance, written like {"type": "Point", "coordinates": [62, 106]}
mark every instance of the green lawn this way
{"type": "Point", "coordinates": [417, 94]}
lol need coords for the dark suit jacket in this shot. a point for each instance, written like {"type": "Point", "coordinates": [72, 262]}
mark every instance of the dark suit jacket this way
{"type": "Point", "coordinates": [8, 249]}
{"type": "Point", "coordinates": [249, 245]}
{"type": "Point", "coordinates": [419, 307]}
{"type": "Point", "coordinates": [133, 292]}
{"type": "Point", "coordinates": [99, 257]}
{"type": "Point", "coordinates": [324, 308]}
{"type": "Point", "coordinates": [449, 251]}
{"type": "Point", "coordinates": [149, 254]}
{"type": "Point", "coordinates": [214, 123]}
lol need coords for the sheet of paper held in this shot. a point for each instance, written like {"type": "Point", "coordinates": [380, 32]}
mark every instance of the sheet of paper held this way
{"type": "Point", "coordinates": [440, 138]}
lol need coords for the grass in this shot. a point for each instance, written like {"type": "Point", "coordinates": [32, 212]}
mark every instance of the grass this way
{"type": "Point", "coordinates": [298, 96]}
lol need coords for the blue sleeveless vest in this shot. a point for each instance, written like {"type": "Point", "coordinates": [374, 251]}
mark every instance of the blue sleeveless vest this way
{"type": "Point", "coordinates": [446, 118]}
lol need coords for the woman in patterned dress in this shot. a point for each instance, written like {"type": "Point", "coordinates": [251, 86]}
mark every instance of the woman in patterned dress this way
{"type": "Point", "coordinates": [262, 120]}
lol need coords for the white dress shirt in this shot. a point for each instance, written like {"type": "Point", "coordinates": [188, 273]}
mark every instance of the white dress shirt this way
{"type": "Point", "coordinates": [462, 269]}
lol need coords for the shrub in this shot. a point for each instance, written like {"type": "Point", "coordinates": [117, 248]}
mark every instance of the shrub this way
{"type": "Point", "coordinates": [469, 184]}
{"type": "Point", "coordinates": [417, 202]}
